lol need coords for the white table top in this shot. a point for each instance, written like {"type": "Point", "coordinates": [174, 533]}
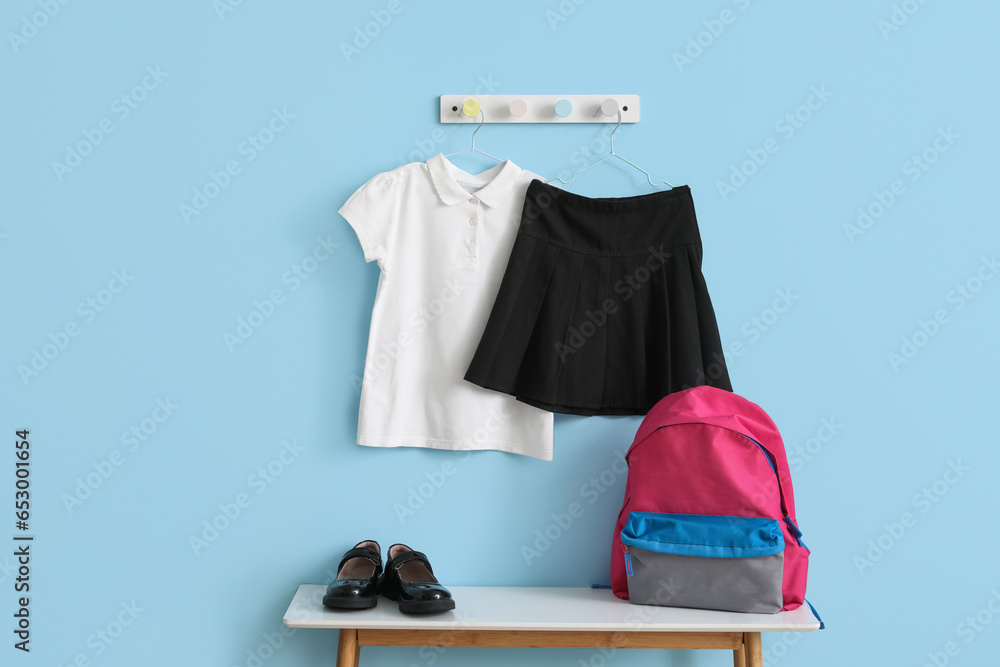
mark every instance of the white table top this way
{"type": "Point", "coordinates": [509, 608]}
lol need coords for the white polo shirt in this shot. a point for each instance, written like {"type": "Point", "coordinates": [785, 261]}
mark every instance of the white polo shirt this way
{"type": "Point", "coordinates": [441, 238]}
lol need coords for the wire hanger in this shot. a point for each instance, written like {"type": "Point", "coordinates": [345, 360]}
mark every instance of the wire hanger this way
{"type": "Point", "coordinates": [474, 149]}
{"type": "Point", "coordinates": [611, 155]}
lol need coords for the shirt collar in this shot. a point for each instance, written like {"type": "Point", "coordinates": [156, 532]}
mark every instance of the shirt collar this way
{"type": "Point", "coordinates": [492, 193]}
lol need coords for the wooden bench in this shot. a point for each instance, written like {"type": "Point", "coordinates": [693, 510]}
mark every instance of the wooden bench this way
{"type": "Point", "coordinates": [544, 617]}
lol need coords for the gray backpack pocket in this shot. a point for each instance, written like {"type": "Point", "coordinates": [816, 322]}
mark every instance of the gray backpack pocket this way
{"type": "Point", "coordinates": [704, 561]}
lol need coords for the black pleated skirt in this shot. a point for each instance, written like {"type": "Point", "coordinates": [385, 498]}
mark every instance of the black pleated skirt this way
{"type": "Point", "coordinates": [603, 308]}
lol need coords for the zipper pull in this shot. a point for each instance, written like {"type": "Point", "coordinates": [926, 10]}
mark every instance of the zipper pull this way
{"type": "Point", "coordinates": [794, 530]}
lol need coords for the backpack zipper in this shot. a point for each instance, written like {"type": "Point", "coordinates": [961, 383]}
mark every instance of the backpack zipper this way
{"type": "Point", "coordinates": [792, 528]}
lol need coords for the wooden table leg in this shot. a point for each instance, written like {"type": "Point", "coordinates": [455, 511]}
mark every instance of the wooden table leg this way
{"type": "Point", "coordinates": [754, 652]}
{"type": "Point", "coordinates": [348, 651]}
{"type": "Point", "coordinates": [739, 658]}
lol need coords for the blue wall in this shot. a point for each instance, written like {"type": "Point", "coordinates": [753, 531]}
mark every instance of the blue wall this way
{"type": "Point", "coordinates": [872, 224]}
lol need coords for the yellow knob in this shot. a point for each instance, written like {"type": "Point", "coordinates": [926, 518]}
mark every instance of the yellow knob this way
{"type": "Point", "coordinates": [470, 108]}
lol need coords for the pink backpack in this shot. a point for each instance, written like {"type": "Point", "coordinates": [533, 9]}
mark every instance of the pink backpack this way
{"type": "Point", "coordinates": [708, 477]}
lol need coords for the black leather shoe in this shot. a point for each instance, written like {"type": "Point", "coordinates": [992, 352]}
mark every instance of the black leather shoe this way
{"type": "Point", "coordinates": [358, 574]}
{"type": "Point", "coordinates": [409, 579]}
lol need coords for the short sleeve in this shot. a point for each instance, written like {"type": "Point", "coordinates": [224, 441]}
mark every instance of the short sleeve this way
{"type": "Point", "coordinates": [370, 210]}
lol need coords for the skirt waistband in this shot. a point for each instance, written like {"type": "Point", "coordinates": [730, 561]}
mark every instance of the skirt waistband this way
{"type": "Point", "coordinates": [611, 226]}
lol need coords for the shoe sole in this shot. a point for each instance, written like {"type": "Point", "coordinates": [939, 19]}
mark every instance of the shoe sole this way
{"type": "Point", "coordinates": [427, 606]}
{"type": "Point", "coordinates": [349, 603]}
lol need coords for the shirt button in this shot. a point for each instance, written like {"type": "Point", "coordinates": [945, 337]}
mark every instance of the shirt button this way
{"type": "Point", "coordinates": [473, 201]}
{"type": "Point", "coordinates": [472, 221]}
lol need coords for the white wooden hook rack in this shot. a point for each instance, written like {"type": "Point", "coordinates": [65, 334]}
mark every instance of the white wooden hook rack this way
{"type": "Point", "coordinates": [539, 108]}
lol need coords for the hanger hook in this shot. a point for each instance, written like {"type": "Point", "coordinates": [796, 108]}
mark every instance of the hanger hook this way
{"type": "Point", "coordinates": [615, 130]}
{"type": "Point", "coordinates": [483, 114]}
